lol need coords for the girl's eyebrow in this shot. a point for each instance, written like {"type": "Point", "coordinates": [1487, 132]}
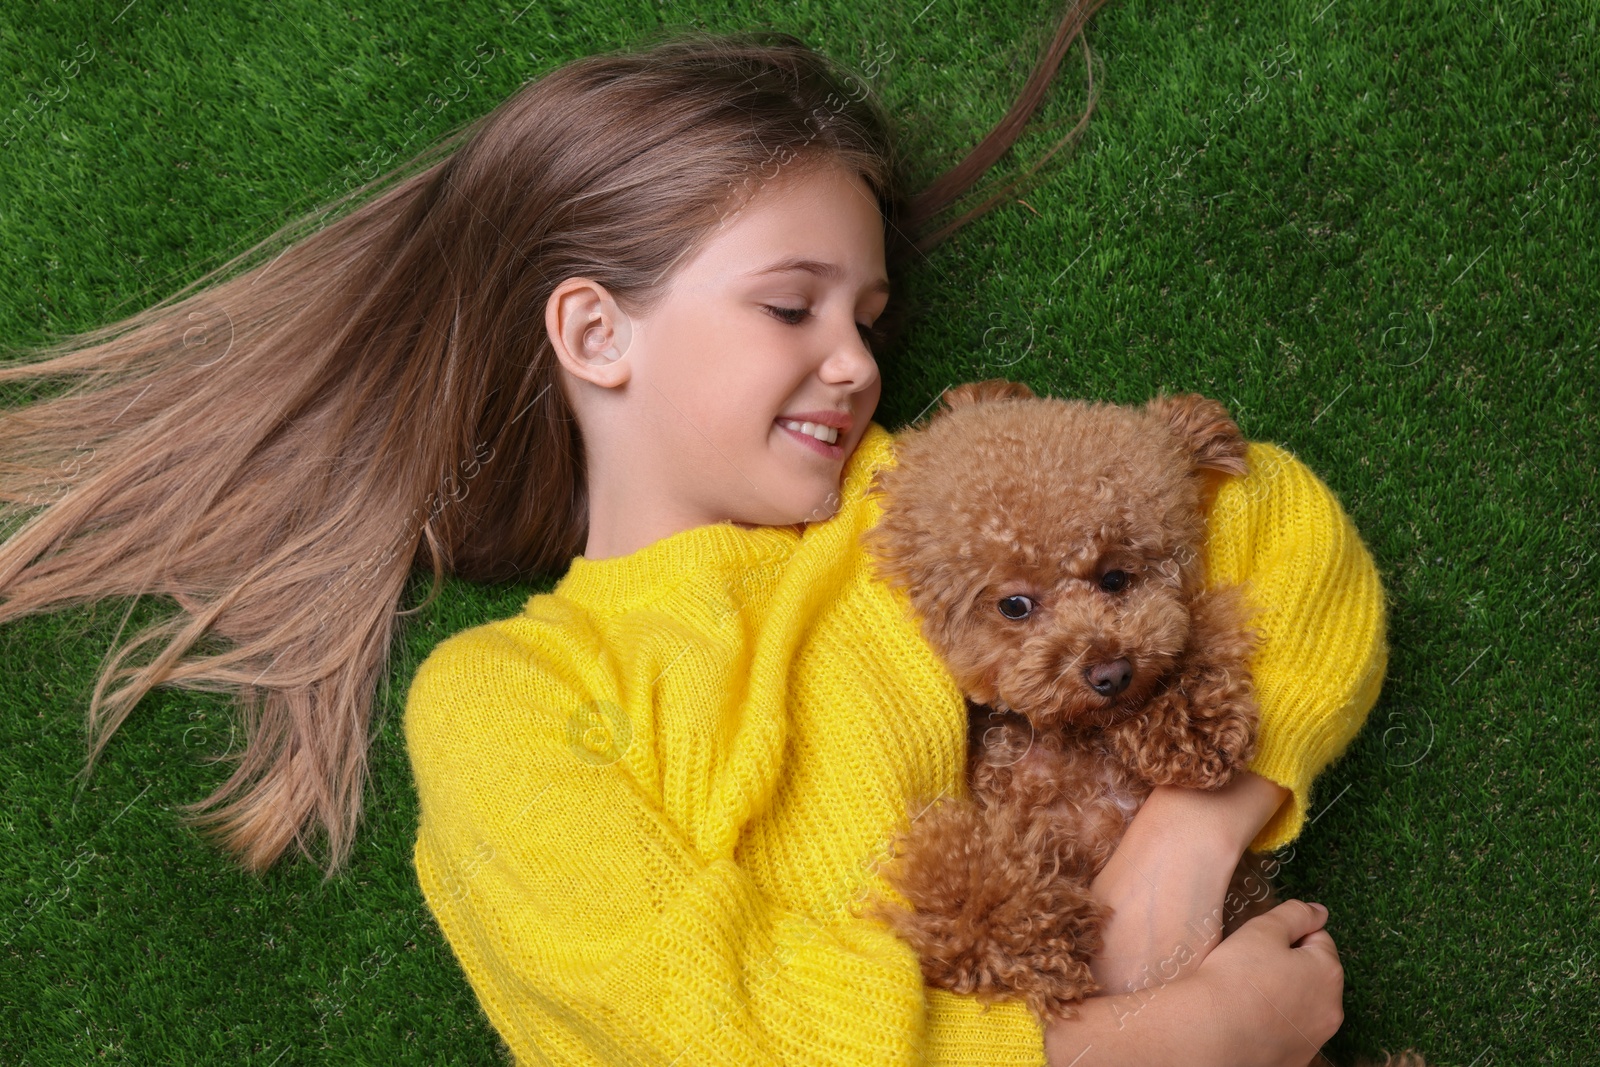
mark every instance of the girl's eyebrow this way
{"type": "Point", "coordinates": [827, 271]}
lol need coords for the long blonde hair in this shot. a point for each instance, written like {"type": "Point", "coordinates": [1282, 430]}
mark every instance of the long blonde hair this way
{"type": "Point", "coordinates": [281, 443]}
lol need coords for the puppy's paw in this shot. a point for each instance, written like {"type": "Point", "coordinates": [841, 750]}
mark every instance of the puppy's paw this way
{"type": "Point", "coordinates": [1168, 745]}
{"type": "Point", "coordinates": [999, 907]}
{"type": "Point", "coordinates": [1043, 960]}
{"type": "Point", "coordinates": [1051, 983]}
{"type": "Point", "coordinates": [1200, 729]}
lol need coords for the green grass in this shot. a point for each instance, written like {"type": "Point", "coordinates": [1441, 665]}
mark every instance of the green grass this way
{"type": "Point", "coordinates": [1369, 228]}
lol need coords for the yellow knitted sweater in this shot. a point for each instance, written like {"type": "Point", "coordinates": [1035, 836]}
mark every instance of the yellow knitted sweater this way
{"type": "Point", "coordinates": [650, 801]}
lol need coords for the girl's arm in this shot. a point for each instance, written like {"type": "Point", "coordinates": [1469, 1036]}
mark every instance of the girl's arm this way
{"type": "Point", "coordinates": [1281, 532]}
{"type": "Point", "coordinates": [1168, 878]}
{"type": "Point", "coordinates": [590, 926]}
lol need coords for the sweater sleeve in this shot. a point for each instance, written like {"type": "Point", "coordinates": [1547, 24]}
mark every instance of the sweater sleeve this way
{"type": "Point", "coordinates": [589, 928]}
{"type": "Point", "coordinates": [1279, 530]}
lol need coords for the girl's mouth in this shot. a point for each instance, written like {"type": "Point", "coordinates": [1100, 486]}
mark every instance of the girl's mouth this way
{"type": "Point", "coordinates": [821, 448]}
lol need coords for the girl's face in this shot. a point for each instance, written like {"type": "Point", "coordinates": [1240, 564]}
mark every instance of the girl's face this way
{"type": "Point", "coordinates": [760, 332]}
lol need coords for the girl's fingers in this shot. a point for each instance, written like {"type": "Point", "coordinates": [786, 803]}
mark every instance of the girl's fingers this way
{"type": "Point", "coordinates": [1295, 919]}
{"type": "Point", "coordinates": [1320, 940]}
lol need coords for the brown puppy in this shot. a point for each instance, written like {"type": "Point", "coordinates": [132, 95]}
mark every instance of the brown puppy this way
{"type": "Point", "coordinates": [1052, 550]}
{"type": "Point", "coordinates": [1053, 553]}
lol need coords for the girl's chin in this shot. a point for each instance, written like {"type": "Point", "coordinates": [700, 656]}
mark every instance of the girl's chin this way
{"type": "Point", "coordinates": [819, 509]}
{"type": "Point", "coordinates": [824, 509]}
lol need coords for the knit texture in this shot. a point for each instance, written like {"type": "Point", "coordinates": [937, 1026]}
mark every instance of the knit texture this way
{"type": "Point", "coordinates": [651, 802]}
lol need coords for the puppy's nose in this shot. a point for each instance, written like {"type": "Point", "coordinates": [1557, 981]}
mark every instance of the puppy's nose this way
{"type": "Point", "coordinates": [1109, 679]}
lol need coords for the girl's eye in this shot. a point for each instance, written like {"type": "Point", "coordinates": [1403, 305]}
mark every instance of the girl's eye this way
{"type": "Point", "coordinates": [795, 316]}
{"type": "Point", "coordinates": [784, 314]}
{"type": "Point", "coordinates": [1016, 607]}
{"type": "Point", "coordinates": [1113, 581]}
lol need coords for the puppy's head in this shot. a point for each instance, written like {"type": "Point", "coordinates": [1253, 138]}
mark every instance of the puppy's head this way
{"type": "Point", "coordinates": [1052, 547]}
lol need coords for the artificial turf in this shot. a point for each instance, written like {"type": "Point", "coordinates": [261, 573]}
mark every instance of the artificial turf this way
{"type": "Point", "coordinates": [1369, 228]}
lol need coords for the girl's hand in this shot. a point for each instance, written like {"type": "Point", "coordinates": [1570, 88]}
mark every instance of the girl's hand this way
{"type": "Point", "coordinates": [1278, 987]}
{"type": "Point", "coordinates": [1168, 879]}
{"type": "Point", "coordinates": [1268, 996]}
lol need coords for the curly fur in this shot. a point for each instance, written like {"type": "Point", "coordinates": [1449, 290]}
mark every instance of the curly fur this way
{"type": "Point", "coordinates": [1103, 688]}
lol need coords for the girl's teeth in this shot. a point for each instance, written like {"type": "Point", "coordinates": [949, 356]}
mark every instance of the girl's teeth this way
{"type": "Point", "coordinates": [822, 433]}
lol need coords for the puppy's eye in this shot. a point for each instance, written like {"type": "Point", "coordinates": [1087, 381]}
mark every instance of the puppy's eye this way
{"type": "Point", "coordinates": [1113, 581]}
{"type": "Point", "coordinates": [1016, 607]}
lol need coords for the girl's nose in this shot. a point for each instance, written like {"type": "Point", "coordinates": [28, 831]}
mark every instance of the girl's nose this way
{"type": "Point", "coordinates": [851, 360]}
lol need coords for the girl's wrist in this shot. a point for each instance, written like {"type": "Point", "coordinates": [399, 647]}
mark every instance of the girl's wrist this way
{"type": "Point", "coordinates": [1174, 1024]}
{"type": "Point", "coordinates": [1218, 821]}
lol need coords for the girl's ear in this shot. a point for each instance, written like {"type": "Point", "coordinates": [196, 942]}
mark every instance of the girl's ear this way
{"type": "Point", "coordinates": [1205, 429]}
{"type": "Point", "coordinates": [589, 332]}
{"type": "Point", "coordinates": [979, 392]}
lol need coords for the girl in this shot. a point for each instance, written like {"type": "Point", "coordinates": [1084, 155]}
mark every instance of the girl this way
{"type": "Point", "coordinates": [632, 313]}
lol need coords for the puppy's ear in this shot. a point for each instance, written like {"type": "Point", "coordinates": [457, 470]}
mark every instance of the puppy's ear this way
{"type": "Point", "coordinates": [978, 392]}
{"type": "Point", "coordinates": [1205, 428]}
